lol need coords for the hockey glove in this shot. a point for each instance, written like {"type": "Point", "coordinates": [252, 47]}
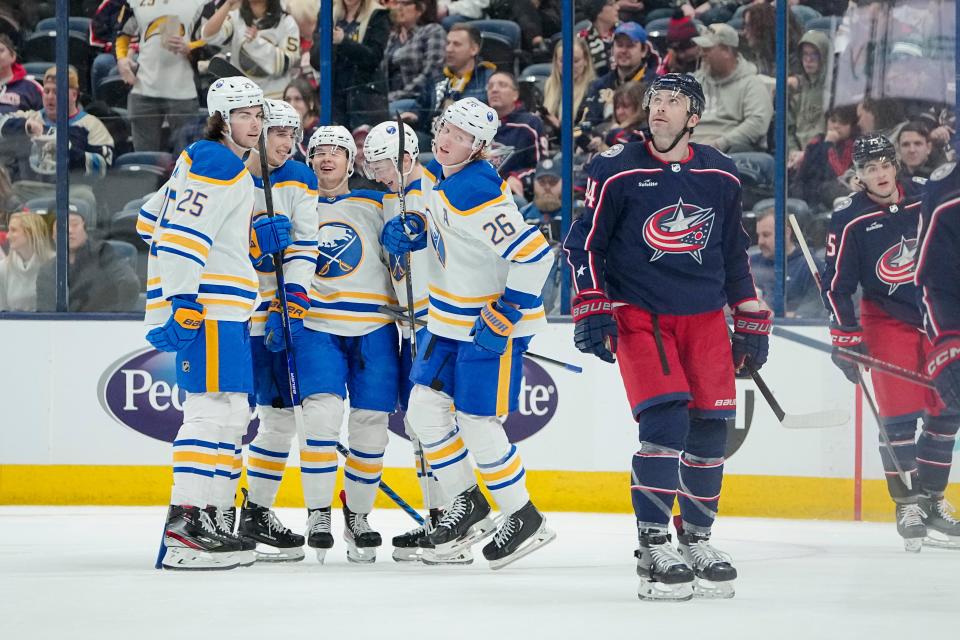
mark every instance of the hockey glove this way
{"type": "Point", "coordinates": [850, 338]}
{"type": "Point", "coordinates": [943, 365]}
{"type": "Point", "coordinates": [596, 330]}
{"type": "Point", "coordinates": [399, 240]}
{"type": "Point", "coordinates": [492, 329]}
{"type": "Point", "coordinates": [297, 305]}
{"type": "Point", "coordinates": [181, 328]}
{"type": "Point", "coordinates": [751, 338]}
{"type": "Point", "coordinates": [270, 235]}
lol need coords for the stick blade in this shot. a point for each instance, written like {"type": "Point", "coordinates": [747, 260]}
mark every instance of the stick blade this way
{"type": "Point", "coordinates": [816, 420]}
{"type": "Point", "coordinates": [220, 68]}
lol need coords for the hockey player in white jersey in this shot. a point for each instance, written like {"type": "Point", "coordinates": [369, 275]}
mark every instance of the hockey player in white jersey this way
{"type": "Point", "coordinates": [485, 273]}
{"type": "Point", "coordinates": [201, 293]}
{"type": "Point", "coordinates": [380, 150]}
{"type": "Point", "coordinates": [349, 349]}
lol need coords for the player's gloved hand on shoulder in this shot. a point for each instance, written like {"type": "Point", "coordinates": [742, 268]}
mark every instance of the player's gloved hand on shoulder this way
{"type": "Point", "coordinates": [401, 236]}
{"type": "Point", "coordinates": [181, 328]}
{"type": "Point", "coordinates": [850, 338]}
{"type": "Point", "coordinates": [492, 329]}
{"type": "Point", "coordinates": [298, 303]}
{"type": "Point", "coordinates": [751, 338]}
{"type": "Point", "coordinates": [270, 235]}
{"type": "Point", "coordinates": [943, 365]}
{"type": "Point", "coordinates": [596, 329]}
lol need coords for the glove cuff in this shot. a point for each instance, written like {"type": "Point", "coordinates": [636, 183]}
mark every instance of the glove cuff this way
{"type": "Point", "coordinates": [590, 302]}
{"type": "Point", "coordinates": [946, 352]}
{"type": "Point", "coordinates": [501, 318]}
{"type": "Point", "coordinates": [846, 336]}
{"type": "Point", "coordinates": [755, 322]}
{"type": "Point", "coordinates": [187, 313]}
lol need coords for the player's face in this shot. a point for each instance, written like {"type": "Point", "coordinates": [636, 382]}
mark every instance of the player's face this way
{"type": "Point", "coordinates": [385, 171]}
{"type": "Point", "coordinates": [280, 141]}
{"type": "Point", "coordinates": [668, 115]}
{"type": "Point", "coordinates": [330, 165]}
{"type": "Point", "coordinates": [245, 126]}
{"type": "Point", "coordinates": [452, 145]}
{"type": "Point", "coordinates": [879, 176]}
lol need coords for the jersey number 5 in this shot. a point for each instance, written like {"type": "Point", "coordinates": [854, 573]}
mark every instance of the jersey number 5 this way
{"type": "Point", "coordinates": [194, 200]}
{"type": "Point", "coordinates": [831, 245]}
{"type": "Point", "coordinates": [499, 229]}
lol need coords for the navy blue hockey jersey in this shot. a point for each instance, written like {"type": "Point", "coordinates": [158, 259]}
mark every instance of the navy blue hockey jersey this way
{"type": "Point", "coordinates": [873, 246]}
{"type": "Point", "coordinates": [666, 237]}
{"type": "Point", "coordinates": [938, 263]}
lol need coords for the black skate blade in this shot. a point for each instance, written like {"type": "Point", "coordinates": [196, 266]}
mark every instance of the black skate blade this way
{"type": "Point", "coordinates": [478, 532]}
{"type": "Point", "coordinates": [653, 591]}
{"type": "Point", "coordinates": [542, 537]}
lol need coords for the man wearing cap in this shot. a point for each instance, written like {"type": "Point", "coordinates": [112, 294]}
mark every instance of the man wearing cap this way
{"type": "Point", "coordinates": [738, 106]}
{"type": "Point", "coordinates": [635, 61]}
{"type": "Point", "coordinates": [518, 129]}
{"type": "Point", "coordinates": [683, 54]}
{"type": "Point", "coordinates": [17, 91]}
{"type": "Point", "coordinates": [544, 212]}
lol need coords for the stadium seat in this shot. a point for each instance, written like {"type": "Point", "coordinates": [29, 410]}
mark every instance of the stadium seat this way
{"type": "Point", "coordinates": [37, 69]}
{"type": "Point", "coordinates": [506, 28]}
{"type": "Point", "coordinates": [78, 24]}
{"type": "Point", "coordinates": [133, 176]}
{"type": "Point", "coordinates": [42, 46]}
{"type": "Point", "coordinates": [501, 43]}
{"type": "Point", "coordinates": [826, 24]}
{"type": "Point", "coordinates": [804, 14]}
{"type": "Point", "coordinates": [84, 207]}
{"type": "Point", "coordinates": [126, 251]}
{"type": "Point", "coordinates": [540, 71]}
{"type": "Point", "coordinates": [160, 159]}
{"type": "Point", "coordinates": [136, 203]}
{"type": "Point", "coordinates": [113, 91]}
{"type": "Point", "coordinates": [796, 206]}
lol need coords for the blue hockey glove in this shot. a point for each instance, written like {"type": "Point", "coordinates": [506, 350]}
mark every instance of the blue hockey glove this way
{"type": "Point", "coordinates": [399, 240]}
{"type": "Point", "coordinates": [596, 330]}
{"type": "Point", "coordinates": [492, 329]}
{"type": "Point", "coordinates": [751, 338]}
{"type": "Point", "coordinates": [943, 365]}
{"type": "Point", "coordinates": [297, 305]}
{"type": "Point", "coordinates": [181, 328]}
{"type": "Point", "coordinates": [269, 236]}
{"type": "Point", "coordinates": [850, 338]}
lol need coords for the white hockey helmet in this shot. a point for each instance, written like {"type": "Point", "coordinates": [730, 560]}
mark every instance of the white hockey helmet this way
{"type": "Point", "coordinates": [335, 136]}
{"type": "Point", "coordinates": [227, 94]}
{"type": "Point", "coordinates": [475, 118]}
{"type": "Point", "coordinates": [277, 113]}
{"type": "Point", "coordinates": [382, 142]}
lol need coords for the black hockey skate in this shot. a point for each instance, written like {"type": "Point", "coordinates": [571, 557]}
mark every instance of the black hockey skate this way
{"type": "Point", "coordinates": [519, 534]}
{"type": "Point", "coordinates": [910, 526]}
{"type": "Point", "coordinates": [362, 541]}
{"type": "Point", "coordinates": [224, 521]}
{"type": "Point", "coordinates": [414, 546]}
{"type": "Point", "coordinates": [192, 542]}
{"type": "Point", "coordinates": [712, 568]}
{"type": "Point", "coordinates": [943, 530]}
{"type": "Point", "coordinates": [318, 533]}
{"type": "Point", "coordinates": [664, 574]}
{"type": "Point", "coordinates": [274, 542]}
{"type": "Point", "coordinates": [464, 523]}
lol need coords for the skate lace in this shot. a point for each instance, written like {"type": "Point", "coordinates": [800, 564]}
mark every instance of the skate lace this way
{"type": "Point", "coordinates": [706, 555]}
{"type": "Point", "coordinates": [207, 524]}
{"type": "Point", "coordinates": [504, 532]}
{"type": "Point", "coordinates": [945, 510]}
{"type": "Point", "coordinates": [273, 522]}
{"type": "Point", "coordinates": [224, 520]}
{"type": "Point", "coordinates": [360, 524]}
{"type": "Point", "coordinates": [912, 515]}
{"type": "Point", "coordinates": [454, 514]}
{"type": "Point", "coordinates": [665, 556]}
{"type": "Point", "coordinates": [318, 522]}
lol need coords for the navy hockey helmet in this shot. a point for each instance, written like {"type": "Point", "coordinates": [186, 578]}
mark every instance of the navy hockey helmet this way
{"type": "Point", "coordinates": [681, 83]}
{"type": "Point", "coordinates": [872, 147]}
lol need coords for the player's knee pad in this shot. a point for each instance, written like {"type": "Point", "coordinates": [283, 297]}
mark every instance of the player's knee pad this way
{"type": "Point", "coordinates": [665, 424]}
{"type": "Point", "coordinates": [322, 416]}
{"type": "Point", "coordinates": [368, 430]}
{"type": "Point", "coordinates": [484, 435]}
{"type": "Point", "coordinates": [900, 432]}
{"type": "Point", "coordinates": [276, 422]}
{"type": "Point", "coordinates": [707, 439]}
{"type": "Point", "coordinates": [239, 418]}
{"type": "Point", "coordinates": [211, 411]}
{"type": "Point", "coordinates": [429, 413]}
{"type": "Point", "coordinates": [943, 428]}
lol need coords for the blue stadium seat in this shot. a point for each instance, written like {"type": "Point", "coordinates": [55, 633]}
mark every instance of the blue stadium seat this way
{"type": "Point", "coordinates": [37, 69]}
{"type": "Point", "coordinates": [826, 24]}
{"type": "Point", "coordinates": [78, 24]}
{"type": "Point", "coordinates": [539, 71]}
{"type": "Point", "coordinates": [501, 43]}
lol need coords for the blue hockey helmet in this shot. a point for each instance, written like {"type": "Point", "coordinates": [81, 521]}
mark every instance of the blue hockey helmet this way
{"type": "Point", "coordinates": [681, 83]}
{"type": "Point", "coordinates": [872, 147]}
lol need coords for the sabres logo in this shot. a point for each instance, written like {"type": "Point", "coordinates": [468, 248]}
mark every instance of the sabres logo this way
{"type": "Point", "coordinates": [436, 241]}
{"type": "Point", "coordinates": [679, 228]}
{"type": "Point", "coordinates": [896, 266]}
{"type": "Point", "coordinates": [341, 250]}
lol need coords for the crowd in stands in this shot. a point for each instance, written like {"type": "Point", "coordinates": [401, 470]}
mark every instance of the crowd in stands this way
{"type": "Point", "coordinates": [139, 75]}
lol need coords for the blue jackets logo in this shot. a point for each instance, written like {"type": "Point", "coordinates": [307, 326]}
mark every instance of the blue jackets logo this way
{"type": "Point", "coordinates": [677, 229]}
{"type": "Point", "coordinates": [341, 250]}
{"type": "Point", "coordinates": [895, 267]}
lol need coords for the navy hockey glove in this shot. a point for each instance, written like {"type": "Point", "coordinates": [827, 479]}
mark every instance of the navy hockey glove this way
{"type": "Point", "coordinates": [297, 305]}
{"type": "Point", "coordinates": [751, 338]}
{"type": "Point", "coordinates": [596, 330]}
{"type": "Point", "coordinates": [398, 240]}
{"type": "Point", "coordinates": [943, 365]}
{"type": "Point", "coordinates": [270, 235]}
{"type": "Point", "coordinates": [181, 328]}
{"type": "Point", "coordinates": [850, 338]}
{"type": "Point", "coordinates": [492, 329]}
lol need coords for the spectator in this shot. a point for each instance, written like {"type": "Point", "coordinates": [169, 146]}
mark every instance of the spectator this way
{"type": "Point", "coordinates": [103, 33]}
{"type": "Point", "coordinates": [759, 31]}
{"type": "Point", "coordinates": [683, 54]}
{"type": "Point", "coordinates": [414, 51]}
{"type": "Point", "coordinates": [801, 295]}
{"type": "Point", "coordinates": [32, 135]}
{"type": "Point", "coordinates": [822, 175]}
{"type": "Point", "coordinates": [602, 15]}
{"type": "Point", "coordinates": [881, 116]}
{"type": "Point", "coordinates": [915, 150]}
{"type": "Point", "coordinates": [710, 12]}
{"type": "Point", "coordinates": [629, 116]}
{"type": "Point", "coordinates": [538, 20]}
{"type": "Point", "coordinates": [17, 91]}
{"type": "Point", "coordinates": [260, 38]}
{"type": "Point", "coordinates": [805, 118]}
{"type": "Point", "coordinates": [303, 97]}
{"type": "Point", "coordinates": [161, 76]}
{"type": "Point", "coordinates": [635, 60]}
{"type": "Point", "coordinates": [738, 107]}
{"type": "Point", "coordinates": [359, 38]}
{"type": "Point", "coordinates": [29, 248]}
{"type": "Point", "coordinates": [583, 77]}
{"type": "Point", "coordinates": [519, 129]}
{"type": "Point", "coordinates": [305, 14]}
{"type": "Point", "coordinates": [544, 212]}
{"type": "Point", "coordinates": [99, 278]}
{"type": "Point", "coordinates": [455, 11]}
{"type": "Point", "coordinates": [464, 76]}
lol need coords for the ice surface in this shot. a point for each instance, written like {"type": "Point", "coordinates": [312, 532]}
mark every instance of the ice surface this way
{"type": "Point", "coordinates": [86, 572]}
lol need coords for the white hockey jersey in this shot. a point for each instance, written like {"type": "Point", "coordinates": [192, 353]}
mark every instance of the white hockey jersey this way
{"type": "Point", "coordinates": [480, 248]}
{"type": "Point", "coordinates": [161, 73]}
{"type": "Point", "coordinates": [268, 58]}
{"type": "Point", "coordinates": [198, 229]}
{"type": "Point", "coordinates": [294, 190]}
{"type": "Point", "coordinates": [391, 208]}
{"type": "Point", "coordinates": [352, 278]}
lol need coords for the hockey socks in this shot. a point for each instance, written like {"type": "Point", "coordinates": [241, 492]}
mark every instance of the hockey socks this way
{"type": "Point", "coordinates": [935, 452]}
{"type": "Point", "coordinates": [654, 480]}
{"type": "Point", "coordinates": [902, 440]}
{"type": "Point", "coordinates": [701, 472]}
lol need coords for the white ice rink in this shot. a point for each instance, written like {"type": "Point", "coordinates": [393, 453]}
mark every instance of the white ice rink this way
{"type": "Point", "coordinates": [77, 572]}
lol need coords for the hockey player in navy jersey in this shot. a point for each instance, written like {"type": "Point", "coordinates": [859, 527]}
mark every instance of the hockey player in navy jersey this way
{"type": "Point", "coordinates": [659, 253]}
{"type": "Point", "coordinates": [871, 245]}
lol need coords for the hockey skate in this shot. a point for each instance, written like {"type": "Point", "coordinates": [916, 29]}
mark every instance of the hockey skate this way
{"type": "Point", "coordinates": [664, 574]}
{"type": "Point", "coordinates": [464, 523]}
{"type": "Point", "coordinates": [712, 568]}
{"type": "Point", "coordinates": [943, 530]}
{"type": "Point", "coordinates": [413, 546]}
{"type": "Point", "coordinates": [274, 542]}
{"type": "Point", "coordinates": [318, 533]}
{"type": "Point", "coordinates": [910, 526]}
{"type": "Point", "coordinates": [192, 543]}
{"type": "Point", "coordinates": [518, 535]}
{"type": "Point", "coordinates": [362, 541]}
{"type": "Point", "coordinates": [224, 522]}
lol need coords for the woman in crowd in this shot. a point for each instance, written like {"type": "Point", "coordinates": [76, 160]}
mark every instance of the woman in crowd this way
{"type": "Point", "coordinates": [583, 76]}
{"type": "Point", "coordinates": [630, 118]}
{"type": "Point", "coordinates": [415, 50]}
{"type": "Point", "coordinates": [302, 96]}
{"type": "Point", "coordinates": [29, 248]}
{"type": "Point", "coordinates": [759, 28]}
{"type": "Point", "coordinates": [823, 174]}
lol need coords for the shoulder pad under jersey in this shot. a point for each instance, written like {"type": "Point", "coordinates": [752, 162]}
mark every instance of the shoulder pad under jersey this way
{"type": "Point", "coordinates": [213, 162]}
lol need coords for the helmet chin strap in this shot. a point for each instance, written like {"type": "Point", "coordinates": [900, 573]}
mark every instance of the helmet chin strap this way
{"type": "Point", "coordinates": [676, 140]}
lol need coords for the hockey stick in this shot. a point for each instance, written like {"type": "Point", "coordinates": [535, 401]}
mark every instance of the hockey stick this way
{"type": "Point", "coordinates": [815, 420]}
{"type": "Point", "coordinates": [886, 367]}
{"type": "Point", "coordinates": [397, 314]}
{"type": "Point", "coordinates": [390, 493]}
